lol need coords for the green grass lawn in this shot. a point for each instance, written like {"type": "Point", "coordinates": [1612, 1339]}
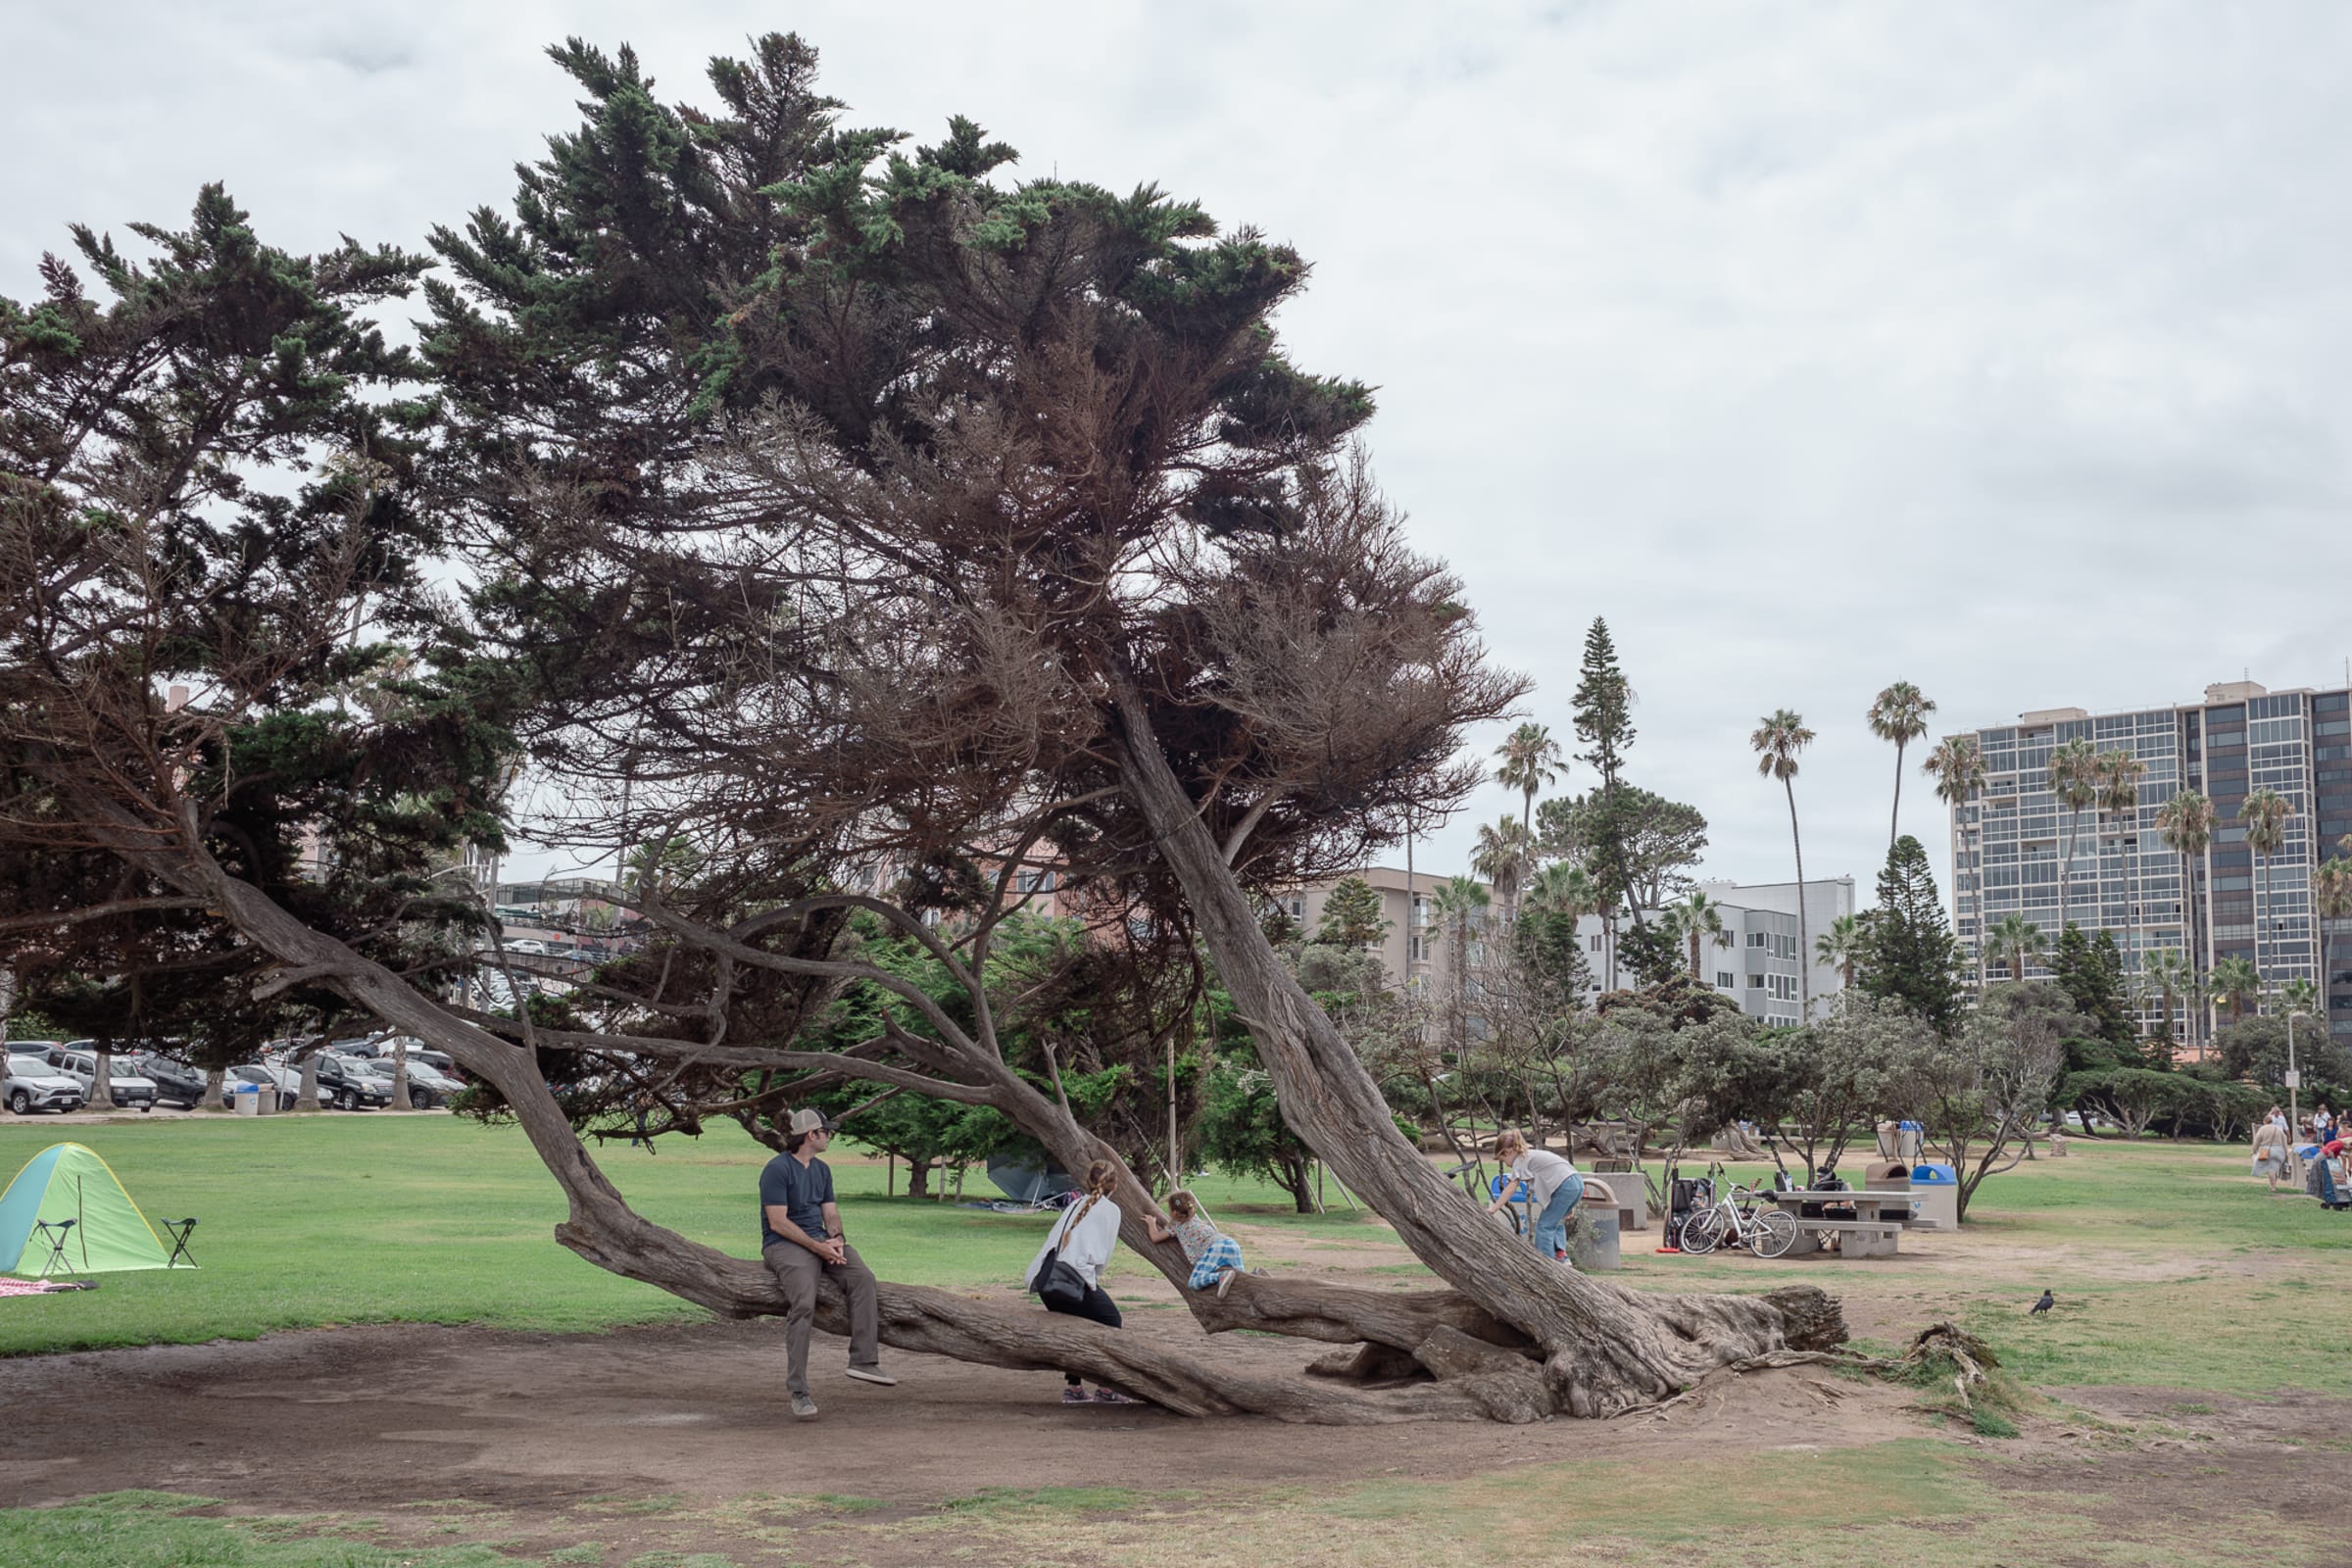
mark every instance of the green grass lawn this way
{"type": "Point", "coordinates": [340, 1219]}
{"type": "Point", "coordinates": [2172, 1269]}
{"type": "Point", "coordinates": [368, 1218]}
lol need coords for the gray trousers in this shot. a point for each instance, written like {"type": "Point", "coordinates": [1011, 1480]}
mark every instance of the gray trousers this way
{"type": "Point", "coordinates": [796, 1268]}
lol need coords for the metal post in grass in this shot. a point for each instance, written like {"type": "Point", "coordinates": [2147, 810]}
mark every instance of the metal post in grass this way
{"type": "Point", "coordinates": [2294, 1110]}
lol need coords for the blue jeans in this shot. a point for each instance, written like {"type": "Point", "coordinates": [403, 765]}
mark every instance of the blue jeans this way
{"type": "Point", "coordinates": [1550, 1234]}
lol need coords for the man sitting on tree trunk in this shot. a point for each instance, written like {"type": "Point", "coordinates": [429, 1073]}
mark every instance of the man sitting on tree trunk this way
{"type": "Point", "coordinates": [800, 1235]}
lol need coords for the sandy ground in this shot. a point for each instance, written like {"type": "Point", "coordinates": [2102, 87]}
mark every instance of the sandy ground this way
{"type": "Point", "coordinates": [542, 1421]}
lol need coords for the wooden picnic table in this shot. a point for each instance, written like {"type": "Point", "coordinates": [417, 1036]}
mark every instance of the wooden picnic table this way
{"type": "Point", "coordinates": [1871, 1233]}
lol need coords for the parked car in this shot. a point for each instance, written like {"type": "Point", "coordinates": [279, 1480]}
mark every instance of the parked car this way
{"type": "Point", "coordinates": [33, 1048]}
{"type": "Point", "coordinates": [30, 1084]}
{"type": "Point", "coordinates": [381, 1051]}
{"type": "Point", "coordinates": [285, 1082]}
{"type": "Point", "coordinates": [81, 1064]}
{"type": "Point", "coordinates": [175, 1082]}
{"type": "Point", "coordinates": [348, 1086]}
{"type": "Point", "coordinates": [428, 1084]}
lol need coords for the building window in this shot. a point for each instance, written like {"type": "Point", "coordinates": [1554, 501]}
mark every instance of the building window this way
{"type": "Point", "coordinates": [1755, 982]}
{"type": "Point", "coordinates": [1725, 980]}
{"type": "Point", "coordinates": [1597, 942]}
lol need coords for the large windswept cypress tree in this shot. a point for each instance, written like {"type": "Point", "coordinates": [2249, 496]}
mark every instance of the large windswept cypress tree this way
{"type": "Point", "coordinates": [888, 530]}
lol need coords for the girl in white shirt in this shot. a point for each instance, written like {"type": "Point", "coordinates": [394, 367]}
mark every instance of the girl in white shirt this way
{"type": "Point", "coordinates": [1553, 1183]}
{"type": "Point", "coordinates": [1086, 1234]}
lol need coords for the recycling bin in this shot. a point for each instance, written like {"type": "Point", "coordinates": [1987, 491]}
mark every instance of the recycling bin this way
{"type": "Point", "coordinates": [1935, 1197]}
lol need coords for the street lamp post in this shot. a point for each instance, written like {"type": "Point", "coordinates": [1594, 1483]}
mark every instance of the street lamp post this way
{"type": "Point", "coordinates": [2294, 1085]}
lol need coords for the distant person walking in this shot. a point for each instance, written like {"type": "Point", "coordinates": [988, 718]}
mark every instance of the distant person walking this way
{"type": "Point", "coordinates": [1552, 1184]}
{"type": "Point", "coordinates": [1215, 1257]}
{"type": "Point", "coordinates": [800, 1239]}
{"type": "Point", "coordinates": [1086, 1234]}
{"type": "Point", "coordinates": [2270, 1152]}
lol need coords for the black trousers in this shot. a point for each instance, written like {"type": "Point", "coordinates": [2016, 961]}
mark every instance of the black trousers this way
{"type": "Point", "coordinates": [1096, 1306]}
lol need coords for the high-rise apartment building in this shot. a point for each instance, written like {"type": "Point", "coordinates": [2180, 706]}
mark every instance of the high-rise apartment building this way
{"type": "Point", "coordinates": [2008, 842]}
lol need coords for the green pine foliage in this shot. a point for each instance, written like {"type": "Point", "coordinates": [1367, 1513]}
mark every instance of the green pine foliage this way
{"type": "Point", "coordinates": [1351, 916]}
{"type": "Point", "coordinates": [1909, 956]}
{"type": "Point", "coordinates": [2090, 970]}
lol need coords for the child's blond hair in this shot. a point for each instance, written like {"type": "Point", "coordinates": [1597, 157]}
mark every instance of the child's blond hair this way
{"type": "Point", "coordinates": [1183, 1205]}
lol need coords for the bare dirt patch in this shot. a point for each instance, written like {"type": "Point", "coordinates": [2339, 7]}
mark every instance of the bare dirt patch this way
{"type": "Point", "coordinates": [396, 1415]}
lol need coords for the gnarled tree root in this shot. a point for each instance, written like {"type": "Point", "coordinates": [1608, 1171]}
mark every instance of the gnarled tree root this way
{"type": "Point", "coordinates": [1463, 1365]}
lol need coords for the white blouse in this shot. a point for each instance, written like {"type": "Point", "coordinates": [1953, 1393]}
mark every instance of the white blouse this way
{"type": "Point", "coordinates": [1085, 1245]}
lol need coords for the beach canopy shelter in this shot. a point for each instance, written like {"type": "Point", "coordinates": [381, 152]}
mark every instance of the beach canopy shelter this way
{"type": "Point", "coordinates": [67, 1181]}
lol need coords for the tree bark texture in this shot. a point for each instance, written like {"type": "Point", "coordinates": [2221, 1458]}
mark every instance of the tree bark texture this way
{"type": "Point", "coordinates": [1604, 1348]}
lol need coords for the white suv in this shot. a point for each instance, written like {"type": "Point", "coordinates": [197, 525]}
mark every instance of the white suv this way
{"type": "Point", "coordinates": [30, 1084]}
{"type": "Point", "coordinates": [81, 1064]}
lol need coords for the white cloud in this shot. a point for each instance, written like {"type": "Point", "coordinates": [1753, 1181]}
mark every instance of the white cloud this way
{"type": "Point", "coordinates": [1989, 347]}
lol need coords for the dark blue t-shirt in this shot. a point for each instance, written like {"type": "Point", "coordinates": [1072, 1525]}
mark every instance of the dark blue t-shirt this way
{"type": "Point", "coordinates": [801, 1190]}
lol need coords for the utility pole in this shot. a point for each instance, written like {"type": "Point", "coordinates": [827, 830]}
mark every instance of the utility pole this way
{"type": "Point", "coordinates": [1175, 1165]}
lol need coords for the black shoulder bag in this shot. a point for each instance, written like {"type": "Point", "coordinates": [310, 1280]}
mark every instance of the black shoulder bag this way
{"type": "Point", "coordinates": [1055, 1283]}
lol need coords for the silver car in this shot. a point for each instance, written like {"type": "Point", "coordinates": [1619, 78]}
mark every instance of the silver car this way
{"type": "Point", "coordinates": [30, 1084]}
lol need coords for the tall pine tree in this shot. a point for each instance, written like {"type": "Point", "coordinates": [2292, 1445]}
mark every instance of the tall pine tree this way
{"type": "Point", "coordinates": [1910, 957]}
{"type": "Point", "coordinates": [1604, 722]}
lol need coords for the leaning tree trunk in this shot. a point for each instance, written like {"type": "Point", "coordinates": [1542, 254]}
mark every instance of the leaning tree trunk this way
{"type": "Point", "coordinates": [1606, 1348]}
{"type": "Point", "coordinates": [1529, 1338]}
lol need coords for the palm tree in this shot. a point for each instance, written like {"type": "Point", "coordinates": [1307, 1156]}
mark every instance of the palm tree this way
{"type": "Point", "coordinates": [2119, 777]}
{"type": "Point", "coordinates": [2331, 900]}
{"type": "Point", "coordinates": [2075, 781]}
{"type": "Point", "coordinates": [1530, 762]}
{"type": "Point", "coordinates": [1777, 740]}
{"type": "Point", "coordinates": [2015, 939]}
{"type": "Point", "coordinates": [1899, 715]}
{"type": "Point", "coordinates": [1840, 947]}
{"type": "Point", "coordinates": [1692, 917]}
{"type": "Point", "coordinates": [2233, 981]}
{"type": "Point", "coordinates": [1562, 888]}
{"type": "Point", "coordinates": [2299, 995]}
{"type": "Point", "coordinates": [2264, 813]}
{"type": "Point", "coordinates": [2185, 825]}
{"type": "Point", "coordinates": [1500, 856]}
{"type": "Point", "coordinates": [1957, 766]}
{"type": "Point", "coordinates": [2170, 974]}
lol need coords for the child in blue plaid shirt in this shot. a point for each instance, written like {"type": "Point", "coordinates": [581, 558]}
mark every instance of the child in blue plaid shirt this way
{"type": "Point", "coordinates": [1215, 1257]}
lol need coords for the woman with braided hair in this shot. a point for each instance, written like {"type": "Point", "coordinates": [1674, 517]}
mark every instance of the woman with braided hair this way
{"type": "Point", "coordinates": [1086, 1234]}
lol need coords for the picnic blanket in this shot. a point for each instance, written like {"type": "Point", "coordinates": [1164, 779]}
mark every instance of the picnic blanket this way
{"type": "Point", "coordinates": [41, 1286]}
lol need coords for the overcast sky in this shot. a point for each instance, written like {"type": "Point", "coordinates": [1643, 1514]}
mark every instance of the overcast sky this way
{"type": "Point", "coordinates": [2002, 349]}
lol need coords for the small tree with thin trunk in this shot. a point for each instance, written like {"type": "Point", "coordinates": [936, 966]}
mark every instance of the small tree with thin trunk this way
{"type": "Point", "coordinates": [1980, 1094]}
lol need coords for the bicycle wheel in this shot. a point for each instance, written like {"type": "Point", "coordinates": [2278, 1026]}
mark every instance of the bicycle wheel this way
{"type": "Point", "coordinates": [1702, 1230]}
{"type": "Point", "coordinates": [1773, 1233]}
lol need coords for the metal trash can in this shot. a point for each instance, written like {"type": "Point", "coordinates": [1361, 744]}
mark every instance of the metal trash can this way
{"type": "Point", "coordinates": [247, 1098]}
{"type": "Point", "coordinates": [1593, 1240]}
{"type": "Point", "coordinates": [1899, 1142]}
{"type": "Point", "coordinates": [1935, 1197]}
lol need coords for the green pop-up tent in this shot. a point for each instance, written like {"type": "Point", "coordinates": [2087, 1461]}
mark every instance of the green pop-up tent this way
{"type": "Point", "coordinates": [67, 1181]}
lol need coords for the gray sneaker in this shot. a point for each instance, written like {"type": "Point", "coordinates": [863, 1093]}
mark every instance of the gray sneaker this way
{"type": "Point", "coordinates": [803, 1405]}
{"type": "Point", "coordinates": [873, 1374]}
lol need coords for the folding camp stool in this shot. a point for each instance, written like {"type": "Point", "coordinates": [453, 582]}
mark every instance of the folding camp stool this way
{"type": "Point", "coordinates": [54, 1231]}
{"type": "Point", "coordinates": [179, 1230]}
